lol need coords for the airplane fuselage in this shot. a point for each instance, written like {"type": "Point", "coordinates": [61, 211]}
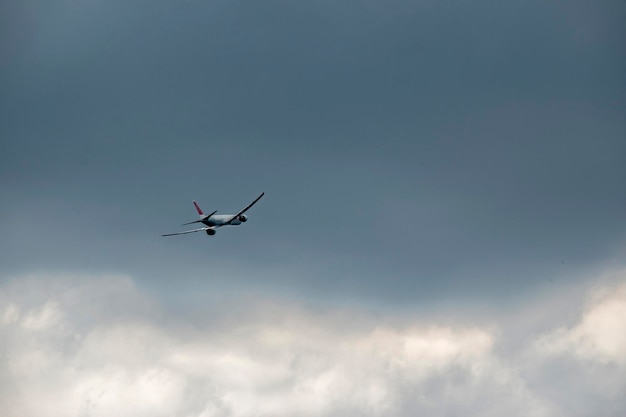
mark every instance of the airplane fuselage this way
{"type": "Point", "coordinates": [222, 220]}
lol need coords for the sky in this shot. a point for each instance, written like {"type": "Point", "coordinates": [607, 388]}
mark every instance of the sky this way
{"type": "Point", "coordinates": [443, 231]}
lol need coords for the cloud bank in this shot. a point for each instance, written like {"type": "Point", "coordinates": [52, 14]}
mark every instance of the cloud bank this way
{"type": "Point", "coordinates": [80, 346]}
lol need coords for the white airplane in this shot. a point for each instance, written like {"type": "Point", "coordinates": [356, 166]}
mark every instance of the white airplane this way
{"type": "Point", "coordinates": [213, 221]}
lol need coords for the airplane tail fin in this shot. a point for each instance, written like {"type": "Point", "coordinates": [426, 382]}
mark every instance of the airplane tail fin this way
{"type": "Point", "coordinates": [198, 209]}
{"type": "Point", "coordinates": [202, 216]}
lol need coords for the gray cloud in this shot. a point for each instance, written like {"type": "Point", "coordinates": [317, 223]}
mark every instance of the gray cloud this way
{"type": "Point", "coordinates": [406, 149]}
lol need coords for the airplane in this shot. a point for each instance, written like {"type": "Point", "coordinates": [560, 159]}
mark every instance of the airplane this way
{"type": "Point", "coordinates": [213, 221]}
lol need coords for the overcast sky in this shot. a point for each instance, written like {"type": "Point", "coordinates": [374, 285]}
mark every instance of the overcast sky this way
{"type": "Point", "coordinates": [443, 230]}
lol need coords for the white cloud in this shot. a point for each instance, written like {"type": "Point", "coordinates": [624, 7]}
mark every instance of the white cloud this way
{"type": "Point", "coordinates": [600, 335]}
{"type": "Point", "coordinates": [100, 347]}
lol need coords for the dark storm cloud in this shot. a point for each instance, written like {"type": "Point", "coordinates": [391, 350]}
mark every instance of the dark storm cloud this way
{"type": "Point", "coordinates": [407, 148]}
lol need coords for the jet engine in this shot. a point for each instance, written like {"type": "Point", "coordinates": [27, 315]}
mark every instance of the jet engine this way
{"type": "Point", "coordinates": [210, 232]}
{"type": "Point", "coordinates": [243, 218]}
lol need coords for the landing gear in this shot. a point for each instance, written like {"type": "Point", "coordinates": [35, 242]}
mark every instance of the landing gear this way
{"type": "Point", "coordinates": [210, 232]}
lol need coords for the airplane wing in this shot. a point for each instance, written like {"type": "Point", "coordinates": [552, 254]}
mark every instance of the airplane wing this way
{"type": "Point", "coordinates": [245, 209]}
{"type": "Point", "coordinates": [202, 229]}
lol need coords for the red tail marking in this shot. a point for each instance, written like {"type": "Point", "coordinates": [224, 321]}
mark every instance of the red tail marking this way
{"type": "Point", "coordinates": [198, 208]}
